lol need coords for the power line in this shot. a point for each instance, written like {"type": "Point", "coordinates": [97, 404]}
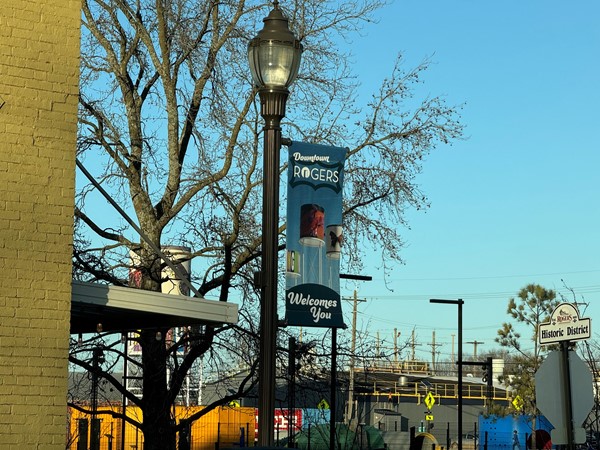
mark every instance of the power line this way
{"type": "Point", "coordinates": [496, 277]}
{"type": "Point", "coordinates": [504, 295]}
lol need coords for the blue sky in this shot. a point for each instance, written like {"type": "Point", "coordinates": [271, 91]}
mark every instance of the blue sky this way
{"type": "Point", "coordinates": [515, 203]}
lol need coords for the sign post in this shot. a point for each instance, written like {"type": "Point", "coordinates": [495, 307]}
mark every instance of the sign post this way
{"type": "Point", "coordinates": [563, 383]}
{"type": "Point", "coordinates": [429, 402]}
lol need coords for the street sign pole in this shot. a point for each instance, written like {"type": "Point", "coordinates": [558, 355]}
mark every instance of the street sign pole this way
{"type": "Point", "coordinates": [567, 392]}
{"type": "Point", "coordinates": [564, 394]}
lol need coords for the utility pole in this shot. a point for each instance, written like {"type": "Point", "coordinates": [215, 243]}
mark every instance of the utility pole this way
{"type": "Point", "coordinates": [433, 346]}
{"type": "Point", "coordinates": [396, 335]}
{"type": "Point", "coordinates": [333, 365]}
{"type": "Point", "coordinates": [350, 405]}
{"type": "Point", "coordinates": [475, 343]}
{"type": "Point", "coordinates": [413, 344]}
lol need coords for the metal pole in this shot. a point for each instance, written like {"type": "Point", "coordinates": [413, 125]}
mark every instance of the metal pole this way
{"type": "Point", "coordinates": [292, 391]}
{"type": "Point", "coordinates": [460, 375]}
{"type": "Point", "coordinates": [95, 366]}
{"type": "Point", "coordinates": [124, 401]}
{"type": "Point", "coordinates": [272, 110]}
{"type": "Point", "coordinates": [459, 362]}
{"type": "Point", "coordinates": [95, 425]}
{"type": "Point", "coordinates": [566, 371]}
{"type": "Point", "coordinates": [490, 383]}
{"type": "Point", "coordinates": [332, 404]}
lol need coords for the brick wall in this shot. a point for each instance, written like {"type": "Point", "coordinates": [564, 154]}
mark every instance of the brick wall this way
{"type": "Point", "coordinates": [39, 68]}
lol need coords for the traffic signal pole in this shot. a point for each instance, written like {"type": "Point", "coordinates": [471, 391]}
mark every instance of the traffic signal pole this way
{"type": "Point", "coordinates": [487, 365]}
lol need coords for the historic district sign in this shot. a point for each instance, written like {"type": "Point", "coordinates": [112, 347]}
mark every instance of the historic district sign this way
{"type": "Point", "coordinates": [564, 325]}
{"type": "Point", "coordinates": [563, 383]}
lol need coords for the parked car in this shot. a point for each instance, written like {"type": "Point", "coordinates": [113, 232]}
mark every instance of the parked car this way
{"type": "Point", "coordinates": [470, 437]}
{"type": "Point", "coordinates": [469, 441]}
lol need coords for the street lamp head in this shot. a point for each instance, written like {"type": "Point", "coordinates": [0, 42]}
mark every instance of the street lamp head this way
{"type": "Point", "coordinates": [274, 54]}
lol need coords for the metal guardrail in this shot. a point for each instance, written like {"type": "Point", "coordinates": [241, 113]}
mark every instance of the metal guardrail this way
{"type": "Point", "coordinates": [439, 391]}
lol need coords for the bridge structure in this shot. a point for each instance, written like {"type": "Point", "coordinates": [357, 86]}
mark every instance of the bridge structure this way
{"type": "Point", "coordinates": [414, 380]}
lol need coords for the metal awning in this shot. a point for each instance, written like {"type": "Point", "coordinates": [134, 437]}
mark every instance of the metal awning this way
{"type": "Point", "coordinates": [123, 308]}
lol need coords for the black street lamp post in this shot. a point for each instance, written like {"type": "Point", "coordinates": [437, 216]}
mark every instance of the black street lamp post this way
{"type": "Point", "coordinates": [459, 303]}
{"type": "Point", "coordinates": [274, 57]}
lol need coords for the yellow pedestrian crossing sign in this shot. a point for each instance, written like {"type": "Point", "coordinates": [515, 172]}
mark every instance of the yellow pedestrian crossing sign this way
{"type": "Point", "coordinates": [323, 404]}
{"type": "Point", "coordinates": [429, 400]}
{"type": "Point", "coordinates": [234, 404]}
{"type": "Point", "coordinates": [518, 403]}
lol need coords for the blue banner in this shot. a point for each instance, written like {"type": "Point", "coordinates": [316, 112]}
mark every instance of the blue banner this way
{"type": "Point", "coordinates": [314, 235]}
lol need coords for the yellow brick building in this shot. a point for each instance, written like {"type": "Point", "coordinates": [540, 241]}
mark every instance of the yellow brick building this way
{"type": "Point", "coordinates": [39, 70]}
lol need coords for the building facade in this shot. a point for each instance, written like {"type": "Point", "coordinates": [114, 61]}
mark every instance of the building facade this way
{"type": "Point", "coordinates": [39, 72]}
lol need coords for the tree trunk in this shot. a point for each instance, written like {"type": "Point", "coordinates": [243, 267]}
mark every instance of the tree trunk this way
{"type": "Point", "coordinates": [158, 425]}
{"type": "Point", "coordinates": [157, 422]}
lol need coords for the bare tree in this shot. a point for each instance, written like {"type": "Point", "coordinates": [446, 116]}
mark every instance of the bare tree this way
{"type": "Point", "coordinates": [170, 122]}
